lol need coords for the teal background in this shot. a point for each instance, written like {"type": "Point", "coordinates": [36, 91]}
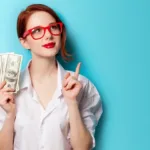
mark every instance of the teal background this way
{"type": "Point", "coordinates": [111, 39]}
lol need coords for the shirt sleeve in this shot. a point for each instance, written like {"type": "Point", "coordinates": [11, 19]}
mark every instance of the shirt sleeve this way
{"type": "Point", "coordinates": [2, 117]}
{"type": "Point", "coordinates": [91, 108]}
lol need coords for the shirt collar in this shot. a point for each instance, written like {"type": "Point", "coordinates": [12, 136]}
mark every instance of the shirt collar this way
{"type": "Point", "coordinates": [25, 79]}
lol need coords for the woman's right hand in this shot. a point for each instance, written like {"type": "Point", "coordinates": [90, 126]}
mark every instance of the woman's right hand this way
{"type": "Point", "coordinates": [7, 101]}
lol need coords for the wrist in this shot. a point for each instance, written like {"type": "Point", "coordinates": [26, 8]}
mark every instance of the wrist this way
{"type": "Point", "coordinates": [11, 116]}
{"type": "Point", "coordinates": [72, 103]}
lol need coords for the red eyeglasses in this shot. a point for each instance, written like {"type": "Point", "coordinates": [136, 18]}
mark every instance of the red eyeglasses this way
{"type": "Point", "coordinates": [38, 32]}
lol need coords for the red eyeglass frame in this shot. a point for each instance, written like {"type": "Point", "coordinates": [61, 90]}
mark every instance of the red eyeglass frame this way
{"type": "Point", "coordinates": [26, 33]}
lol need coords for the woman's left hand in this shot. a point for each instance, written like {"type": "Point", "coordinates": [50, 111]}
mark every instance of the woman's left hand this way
{"type": "Point", "coordinates": [71, 85]}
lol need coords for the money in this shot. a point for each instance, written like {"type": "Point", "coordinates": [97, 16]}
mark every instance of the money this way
{"type": "Point", "coordinates": [10, 64]}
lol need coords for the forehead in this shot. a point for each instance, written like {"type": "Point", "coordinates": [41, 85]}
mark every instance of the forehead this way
{"type": "Point", "coordinates": [39, 18]}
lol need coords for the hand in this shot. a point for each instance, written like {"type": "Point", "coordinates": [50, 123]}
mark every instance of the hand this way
{"type": "Point", "coordinates": [71, 85]}
{"type": "Point", "coordinates": [7, 98]}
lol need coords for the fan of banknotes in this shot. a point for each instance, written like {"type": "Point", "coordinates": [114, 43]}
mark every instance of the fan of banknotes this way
{"type": "Point", "coordinates": [10, 66]}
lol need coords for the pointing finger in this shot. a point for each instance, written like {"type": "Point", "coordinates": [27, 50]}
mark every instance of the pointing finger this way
{"type": "Point", "coordinates": [76, 74]}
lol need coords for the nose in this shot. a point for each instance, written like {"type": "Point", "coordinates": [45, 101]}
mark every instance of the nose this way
{"type": "Point", "coordinates": [47, 34]}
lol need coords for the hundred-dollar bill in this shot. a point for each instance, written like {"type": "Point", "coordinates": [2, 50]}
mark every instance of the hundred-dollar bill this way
{"type": "Point", "coordinates": [3, 63]}
{"type": "Point", "coordinates": [11, 70]}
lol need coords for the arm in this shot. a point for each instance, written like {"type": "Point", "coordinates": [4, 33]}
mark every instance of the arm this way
{"type": "Point", "coordinates": [80, 136]}
{"type": "Point", "coordinates": [83, 118]}
{"type": "Point", "coordinates": [7, 111]}
{"type": "Point", "coordinates": [7, 133]}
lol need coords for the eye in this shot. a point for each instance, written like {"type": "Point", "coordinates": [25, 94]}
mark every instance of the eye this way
{"type": "Point", "coordinates": [36, 30]}
{"type": "Point", "coordinates": [55, 27]}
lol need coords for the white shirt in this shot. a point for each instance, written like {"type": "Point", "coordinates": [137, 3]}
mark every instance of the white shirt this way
{"type": "Point", "coordinates": [48, 129]}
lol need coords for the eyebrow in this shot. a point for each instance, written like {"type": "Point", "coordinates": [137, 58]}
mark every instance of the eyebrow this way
{"type": "Point", "coordinates": [41, 25]}
{"type": "Point", "coordinates": [52, 22]}
{"type": "Point", "coordinates": [44, 26]}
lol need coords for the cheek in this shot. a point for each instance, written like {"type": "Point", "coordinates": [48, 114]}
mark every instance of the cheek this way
{"type": "Point", "coordinates": [34, 44]}
{"type": "Point", "coordinates": [58, 41]}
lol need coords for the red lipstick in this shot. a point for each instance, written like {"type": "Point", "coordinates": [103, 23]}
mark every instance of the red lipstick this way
{"type": "Point", "coordinates": [49, 45]}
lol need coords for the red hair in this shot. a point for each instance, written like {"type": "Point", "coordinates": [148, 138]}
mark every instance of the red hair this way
{"type": "Point", "coordinates": [23, 19]}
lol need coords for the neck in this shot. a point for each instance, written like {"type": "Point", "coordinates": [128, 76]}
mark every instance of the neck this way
{"type": "Point", "coordinates": [42, 68]}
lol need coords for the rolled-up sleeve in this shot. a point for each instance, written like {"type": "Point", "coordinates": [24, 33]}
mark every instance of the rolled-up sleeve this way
{"type": "Point", "coordinates": [91, 108]}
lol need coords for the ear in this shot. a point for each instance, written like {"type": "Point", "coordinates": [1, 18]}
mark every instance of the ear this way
{"type": "Point", "coordinates": [24, 43]}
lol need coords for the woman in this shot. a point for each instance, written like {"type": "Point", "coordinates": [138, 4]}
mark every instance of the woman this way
{"type": "Point", "coordinates": [55, 109]}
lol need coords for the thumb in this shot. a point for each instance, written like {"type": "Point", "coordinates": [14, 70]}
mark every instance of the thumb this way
{"type": "Point", "coordinates": [67, 75]}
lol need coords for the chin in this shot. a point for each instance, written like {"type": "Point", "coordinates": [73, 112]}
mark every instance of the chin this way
{"type": "Point", "coordinates": [50, 53]}
{"type": "Point", "coordinates": [44, 52]}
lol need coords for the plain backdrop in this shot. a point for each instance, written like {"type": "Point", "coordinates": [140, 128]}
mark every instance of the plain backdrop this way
{"type": "Point", "coordinates": [112, 40]}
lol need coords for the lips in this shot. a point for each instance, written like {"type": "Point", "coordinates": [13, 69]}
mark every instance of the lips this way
{"type": "Point", "coordinates": [49, 45]}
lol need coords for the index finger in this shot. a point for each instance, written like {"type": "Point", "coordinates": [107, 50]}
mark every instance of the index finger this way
{"type": "Point", "coordinates": [2, 84]}
{"type": "Point", "coordinates": [76, 74]}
